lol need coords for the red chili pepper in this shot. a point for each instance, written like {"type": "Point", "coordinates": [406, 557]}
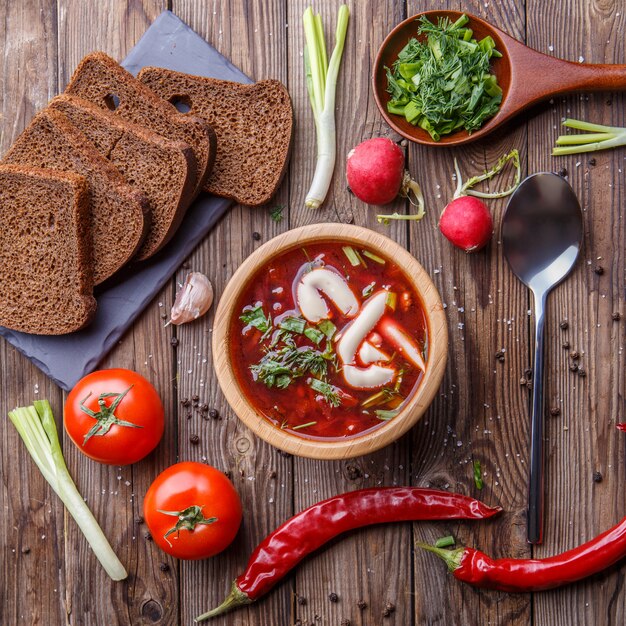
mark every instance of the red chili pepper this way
{"type": "Point", "coordinates": [521, 575]}
{"type": "Point", "coordinates": [283, 549]}
{"type": "Point", "coordinates": [622, 426]}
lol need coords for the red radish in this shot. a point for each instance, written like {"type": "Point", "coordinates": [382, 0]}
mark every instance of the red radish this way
{"type": "Point", "coordinates": [466, 222]}
{"type": "Point", "coordinates": [376, 174]}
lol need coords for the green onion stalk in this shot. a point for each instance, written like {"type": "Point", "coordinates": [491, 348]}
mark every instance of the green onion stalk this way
{"type": "Point", "coordinates": [598, 137]}
{"type": "Point", "coordinates": [321, 81]}
{"type": "Point", "coordinates": [37, 428]}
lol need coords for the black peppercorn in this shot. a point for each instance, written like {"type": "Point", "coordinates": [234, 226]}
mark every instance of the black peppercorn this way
{"type": "Point", "coordinates": [599, 270]}
{"type": "Point", "coordinates": [147, 536]}
{"type": "Point", "coordinates": [333, 597]}
{"type": "Point", "coordinates": [566, 345]}
{"type": "Point", "coordinates": [562, 172]}
{"type": "Point", "coordinates": [362, 605]}
{"type": "Point", "coordinates": [213, 414]}
{"type": "Point", "coordinates": [185, 402]}
{"type": "Point", "coordinates": [564, 325]}
{"type": "Point", "coordinates": [164, 567]}
{"type": "Point", "coordinates": [273, 474]}
{"type": "Point", "coordinates": [582, 372]}
{"type": "Point", "coordinates": [174, 342]}
{"type": "Point", "coordinates": [345, 622]}
{"type": "Point", "coordinates": [574, 355]}
{"type": "Point", "coordinates": [301, 600]}
{"type": "Point", "coordinates": [256, 236]}
{"type": "Point", "coordinates": [194, 439]}
{"type": "Point", "coordinates": [597, 477]}
{"type": "Point", "coordinates": [573, 367]}
{"type": "Point", "coordinates": [499, 355]}
{"type": "Point", "coordinates": [592, 162]}
{"type": "Point", "coordinates": [389, 609]}
{"type": "Point", "coordinates": [25, 550]}
{"type": "Point", "coordinates": [353, 472]}
{"type": "Point", "coordinates": [616, 317]}
{"type": "Point", "coordinates": [555, 411]}
{"type": "Point", "coordinates": [139, 519]}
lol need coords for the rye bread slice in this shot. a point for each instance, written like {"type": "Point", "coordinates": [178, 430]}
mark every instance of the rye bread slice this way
{"type": "Point", "coordinates": [118, 225]}
{"type": "Point", "coordinates": [46, 280]}
{"type": "Point", "coordinates": [253, 124]}
{"type": "Point", "coordinates": [101, 80]}
{"type": "Point", "coordinates": [163, 170]}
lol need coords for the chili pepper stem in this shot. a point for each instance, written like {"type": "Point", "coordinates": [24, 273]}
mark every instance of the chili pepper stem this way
{"type": "Point", "coordinates": [452, 558]}
{"type": "Point", "coordinates": [235, 599]}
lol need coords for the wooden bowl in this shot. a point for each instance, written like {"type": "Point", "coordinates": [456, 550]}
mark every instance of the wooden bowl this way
{"type": "Point", "coordinates": [388, 53]}
{"type": "Point", "coordinates": [415, 406]}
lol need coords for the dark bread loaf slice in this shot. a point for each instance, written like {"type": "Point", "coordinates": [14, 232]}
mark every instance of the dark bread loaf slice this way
{"type": "Point", "coordinates": [117, 210]}
{"type": "Point", "coordinates": [46, 280]}
{"type": "Point", "coordinates": [163, 170]}
{"type": "Point", "coordinates": [253, 123]}
{"type": "Point", "coordinates": [99, 79]}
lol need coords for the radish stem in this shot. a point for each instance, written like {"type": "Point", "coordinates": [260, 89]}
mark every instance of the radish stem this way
{"type": "Point", "coordinates": [321, 81]}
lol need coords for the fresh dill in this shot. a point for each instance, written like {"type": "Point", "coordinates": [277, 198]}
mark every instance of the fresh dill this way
{"type": "Point", "coordinates": [255, 317]}
{"type": "Point", "coordinates": [281, 365]}
{"type": "Point", "coordinates": [276, 213]}
{"type": "Point", "coordinates": [329, 392]}
{"type": "Point", "coordinates": [445, 82]}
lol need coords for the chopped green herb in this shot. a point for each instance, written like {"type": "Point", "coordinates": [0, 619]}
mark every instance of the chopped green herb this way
{"type": "Point", "coordinates": [373, 257]}
{"type": "Point", "coordinates": [352, 255]}
{"type": "Point", "coordinates": [256, 317]}
{"type": "Point", "coordinates": [327, 390]}
{"type": "Point", "coordinates": [445, 542]}
{"type": "Point", "coordinates": [280, 366]}
{"type": "Point", "coordinates": [478, 477]}
{"type": "Point", "coordinates": [314, 335]}
{"type": "Point", "coordinates": [293, 324]}
{"type": "Point", "coordinates": [328, 328]}
{"type": "Point", "coordinates": [380, 397]}
{"type": "Point", "coordinates": [368, 290]}
{"type": "Point", "coordinates": [445, 82]}
{"type": "Point", "coordinates": [299, 426]}
{"type": "Point", "coordinates": [386, 415]}
{"type": "Point", "coordinates": [276, 213]}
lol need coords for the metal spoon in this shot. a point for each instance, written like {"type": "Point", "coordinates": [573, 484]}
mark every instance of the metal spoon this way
{"type": "Point", "coordinates": [542, 230]}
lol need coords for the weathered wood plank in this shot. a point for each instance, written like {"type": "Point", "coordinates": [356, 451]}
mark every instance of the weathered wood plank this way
{"type": "Point", "coordinates": [370, 565]}
{"type": "Point", "coordinates": [481, 413]}
{"type": "Point", "coordinates": [583, 438]}
{"type": "Point", "coordinates": [253, 35]}
{"type": "Point", "coordinates": [149, 595]}
{"type": "Point", "coordinates": [31, 535]}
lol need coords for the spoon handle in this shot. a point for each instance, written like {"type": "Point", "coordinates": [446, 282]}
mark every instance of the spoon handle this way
{"type": "Point", "coordinates": [535, 482]}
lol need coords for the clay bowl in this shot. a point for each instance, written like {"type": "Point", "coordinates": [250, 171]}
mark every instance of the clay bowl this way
{"type": "Point", "coordinates": [415, 406]}
{"type": "Point", "coordinates": [525, 75]}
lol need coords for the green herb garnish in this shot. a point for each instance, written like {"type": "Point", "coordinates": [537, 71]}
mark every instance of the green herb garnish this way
{"type": "Point", "coordinates": [293, 325]}
{"type": "Point", "coordinates": [445, 542]}
{"type": "Point", "coordinates": [386, 415]}
{"type": "Point", "coordinates": [256, 317]}
{"type": "Point", "coordinates": [445, 83]}
{"type": "Point", "coordinates": [276, 213]}
{"type": "Point", "coordinates": [314, 335]}
{"type": "Point", "coordinates": [280, 366]}
{"type": "Point", "coordinates": [478, 478]}
{"type": "Point", "coordinates": [373, 257]}
{"type": "Point", "coordinates": [328, 391]}
{"type": "Point", "coordinates": [299, 426]}
{"type": "Point", "coordinates": [328, 328]}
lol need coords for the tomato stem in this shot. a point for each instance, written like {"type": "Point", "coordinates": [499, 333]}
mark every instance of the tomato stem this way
{"type": "Point", "coordinates": [188, 519]}
{"type": "Point", "coordinates": [105, 417]}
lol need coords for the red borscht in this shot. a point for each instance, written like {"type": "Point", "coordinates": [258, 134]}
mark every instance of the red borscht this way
{"type": "Point", "coordinates": [329, 340]}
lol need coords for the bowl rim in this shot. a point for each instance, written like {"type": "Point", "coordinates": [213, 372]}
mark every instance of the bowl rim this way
{"type": "Point", "coordinates": [416, 405]}
{"type": "Point", "coordinates": [460, 137]}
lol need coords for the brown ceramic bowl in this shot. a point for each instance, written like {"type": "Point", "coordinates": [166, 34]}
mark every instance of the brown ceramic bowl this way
{"type": "Point", "coordinates": [415, 406]}
{"type": "Point", "coordinates": [388, 53]}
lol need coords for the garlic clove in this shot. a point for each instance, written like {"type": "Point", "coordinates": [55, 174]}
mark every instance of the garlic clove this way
{"type": "Point", "coordinates": [193, 300]}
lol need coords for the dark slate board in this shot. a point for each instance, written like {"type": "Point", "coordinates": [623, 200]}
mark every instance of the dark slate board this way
{"type": "Point", "coordinates": [169, 43]}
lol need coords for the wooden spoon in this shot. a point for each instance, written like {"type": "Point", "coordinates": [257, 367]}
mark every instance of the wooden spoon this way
{"type": "Point", "coordinates": [525, 75]}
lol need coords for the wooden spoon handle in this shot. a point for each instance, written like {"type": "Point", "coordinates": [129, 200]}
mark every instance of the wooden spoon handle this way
{"type": "Point", "coordinates": [536, 76]}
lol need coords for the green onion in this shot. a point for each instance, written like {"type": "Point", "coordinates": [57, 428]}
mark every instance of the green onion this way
{"type": "Point", "coordinates": [321, 81]}
{"type": "Point", "coordinates": [445, 542]}
{"type": "Point", "coordinates": [314, 335]}
{"type": "Point", "coordinates": [392, 300]}
{"type": "Point", "coordinates": [299, 426]}
{"type": "Point", "coordinates": [386, 415]}
{"type": "Point", "coordinates": [465, 188]}
{"type": "Point", "coordinates": [293, 324]}
{"type": "Point", "coordinates": [478, 478]}
{"type": "Point", "coordinates": [38, 431]}
{"type": "Point", "coordinates": [599, 137]}
{"type": "Point", "coordinates": [380, 397]}
{"type": "Point", "coordinates": [352, 255]}
{"type": "Point", "coordinates": [374, 257]}
{"type": "Point", "coordinates": [328, 328]}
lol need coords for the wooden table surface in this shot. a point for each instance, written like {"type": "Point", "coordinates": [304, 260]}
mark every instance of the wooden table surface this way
{"type": "Point", "coordinates": [49, 576]}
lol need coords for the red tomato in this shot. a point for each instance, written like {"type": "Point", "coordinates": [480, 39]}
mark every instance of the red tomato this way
{"type": "Point", "coordinates": [114, 416]}
{"type": "Point", "coordinates": [192, 510]}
